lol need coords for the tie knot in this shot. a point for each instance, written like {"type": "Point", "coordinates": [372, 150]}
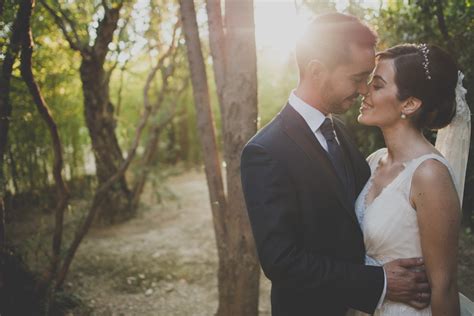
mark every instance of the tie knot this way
{"type": "Point", "coordinates": [327, 129]}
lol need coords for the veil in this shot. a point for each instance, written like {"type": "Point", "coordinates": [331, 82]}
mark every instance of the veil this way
{"type": "Point", "coordinates": [453, 140]}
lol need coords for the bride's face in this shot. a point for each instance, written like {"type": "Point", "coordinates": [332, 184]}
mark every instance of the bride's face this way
{"type": "Point", "coordinates": [381, 107]}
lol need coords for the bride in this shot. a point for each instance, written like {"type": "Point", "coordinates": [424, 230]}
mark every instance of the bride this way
{"type": "Point", "coordinates": [410, 206]}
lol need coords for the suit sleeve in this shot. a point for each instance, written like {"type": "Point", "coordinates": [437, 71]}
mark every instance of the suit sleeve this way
{"type": "Point", "coordinates": [272, 208]}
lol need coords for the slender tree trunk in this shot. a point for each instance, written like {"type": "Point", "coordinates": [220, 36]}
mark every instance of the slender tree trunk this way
{"type": "Point", "coordinates": [443, 27]}
{"type": "Point", "coordinates": [152, 145]}
{"type": "Point", "coordinates": [234, 57]}
{"type": "Point", "coordinates": [148, 158]}
{"type": "Point", "coordinates": [62, 190]}
{"type": "Point", "coordinates": [205, 124]}
{"type": "Point", "coordinates": [183, 137]}
{"type": "Point", "coordinates": [13, 171]}
{"type": "Point", "coordinates": [5, 106]}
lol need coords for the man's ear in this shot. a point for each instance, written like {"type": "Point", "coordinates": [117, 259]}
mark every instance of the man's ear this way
{"type": "Point", "coordinates": [411, 105]}
{"type": "Point", "coordinates": [316, 69]}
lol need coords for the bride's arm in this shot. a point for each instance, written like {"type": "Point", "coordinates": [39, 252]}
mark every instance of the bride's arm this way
{"type": "Point", "coordinates": [438, 211]}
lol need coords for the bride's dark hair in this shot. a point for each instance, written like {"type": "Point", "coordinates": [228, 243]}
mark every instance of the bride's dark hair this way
{"type": "Point", "coordinates": [429, 75]}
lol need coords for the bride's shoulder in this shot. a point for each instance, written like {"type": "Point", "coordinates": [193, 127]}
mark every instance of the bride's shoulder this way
{"type": "Point", "coordinates": [432, 174]}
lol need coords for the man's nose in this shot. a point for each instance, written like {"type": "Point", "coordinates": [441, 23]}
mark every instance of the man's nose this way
{"type": "Point", "coordinates": [363, 89]}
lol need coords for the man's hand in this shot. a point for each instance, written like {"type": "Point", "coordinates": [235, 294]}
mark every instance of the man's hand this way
{"type": "Point", "coordinates": [407, 282]}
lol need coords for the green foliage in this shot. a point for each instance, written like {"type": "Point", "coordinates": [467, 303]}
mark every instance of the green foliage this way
{"type": "Point", "coordinates": [144, 34]}
{"type": "Point", "coordinates": [275, 82]}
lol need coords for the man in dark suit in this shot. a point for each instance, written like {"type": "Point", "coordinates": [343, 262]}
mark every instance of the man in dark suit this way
{"type": "Point", "coordinates": [301, 175]}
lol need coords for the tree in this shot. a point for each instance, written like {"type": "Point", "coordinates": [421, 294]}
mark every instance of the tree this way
{"type": "Point", "coordinates": [22, 40]}
{"type": "Point", "coordinates": [12, 51]}
{"type": "Point", "coordinates": [63, 192]}
{"type": "Point", "coordinates": [234, 60]}
{"type": "Point", "coordinates": [98, 108]}
{"type": "Point", "coordinates": [149, 155]}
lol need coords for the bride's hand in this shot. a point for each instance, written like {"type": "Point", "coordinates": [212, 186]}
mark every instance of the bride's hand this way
{"type": "Point", "coordinates": [407, 282]}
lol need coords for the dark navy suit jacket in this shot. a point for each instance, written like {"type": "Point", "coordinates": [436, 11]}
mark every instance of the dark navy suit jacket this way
{"type": "Point", "coordinates": [308, 239]}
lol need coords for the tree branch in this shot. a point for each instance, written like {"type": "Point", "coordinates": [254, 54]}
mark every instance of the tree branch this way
{"type": "Point", "coordinates": [75, 44]}
{"type": "Point", "coordinates": [120, 88]}
{"type": "Point", "coordinates": [71, 22]}
{"type": "Point", "coordinates": [152, 74]}
{"type": "Point", "coordinates": [116, 62]}
{"type": "Point", "coordinates": [42, 107]}
{"type": "Point", "coordinates": [105, 32]}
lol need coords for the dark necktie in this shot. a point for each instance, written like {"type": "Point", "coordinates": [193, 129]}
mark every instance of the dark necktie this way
{"type": "Point", "coordinates": [334, 150]}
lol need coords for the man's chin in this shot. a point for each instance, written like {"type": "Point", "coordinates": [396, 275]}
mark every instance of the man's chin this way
{"type": "Point", "coordinates": [344, 106]}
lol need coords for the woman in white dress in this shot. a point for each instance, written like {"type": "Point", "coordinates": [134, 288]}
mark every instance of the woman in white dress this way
{"type": "Point", "coordinates": [410, 206]}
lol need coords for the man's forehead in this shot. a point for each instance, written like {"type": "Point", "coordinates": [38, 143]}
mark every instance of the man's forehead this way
{"type": "Point", "coordinates": [362, 61]}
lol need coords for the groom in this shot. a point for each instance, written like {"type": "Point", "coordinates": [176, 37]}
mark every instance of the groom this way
{"type": "Point", "coordinates": [301, 175]}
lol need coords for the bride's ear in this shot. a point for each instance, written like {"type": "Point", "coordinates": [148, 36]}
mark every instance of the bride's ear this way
{"type": "Point", "coordinates": [411, 106]}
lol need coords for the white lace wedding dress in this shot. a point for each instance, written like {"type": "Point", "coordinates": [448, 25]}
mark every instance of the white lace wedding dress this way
{"type": "Point", "coordinates": [390, 228]}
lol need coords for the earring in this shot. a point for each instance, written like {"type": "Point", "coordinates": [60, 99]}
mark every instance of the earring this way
{"type": "Point", "coordinates": [403, 116]}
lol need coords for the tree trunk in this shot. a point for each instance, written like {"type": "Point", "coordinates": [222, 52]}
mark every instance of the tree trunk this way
{"type": "Point", "coordinates": [99, 115]}
{"type": "Point", "coordinates": [98, 108]}
{"type": "Point", "coordinates": [234, 57]}
{"type": "Point", "coordinates": [240, 114]}
{"type": "Point", "coordinates": [13, 171]}
{"type": "Point", "coordinates": [5, 106]}
{"type": "Point", "coordinates": [63, 192]}
{"type": "Point", "coordinates": [148, 158]}
{"type": "Point", "coordinates": [99, 198]}
{"type": "Point", "coordinates": [205, 124]}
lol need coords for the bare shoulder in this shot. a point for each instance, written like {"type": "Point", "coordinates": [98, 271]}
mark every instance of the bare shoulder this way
{"type": "Point", "coordinates": [431, 171]}
{"type": "Point", "coordinates": [432, 183]}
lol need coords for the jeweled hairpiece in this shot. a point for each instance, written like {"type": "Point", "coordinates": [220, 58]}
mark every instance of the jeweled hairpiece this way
{"type": "Point", "coordinates": [425, 50]}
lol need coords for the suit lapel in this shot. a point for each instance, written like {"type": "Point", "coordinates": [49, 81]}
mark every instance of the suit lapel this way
{"type": "Point", "coordinates": [297, 129]}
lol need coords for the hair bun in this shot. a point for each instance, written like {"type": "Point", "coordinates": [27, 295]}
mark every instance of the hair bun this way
{"type": "Point", "coordinates": [429, 74]}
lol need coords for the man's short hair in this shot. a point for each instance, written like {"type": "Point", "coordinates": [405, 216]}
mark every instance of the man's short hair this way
{"type": "Point", "coordinates": [329, 38]}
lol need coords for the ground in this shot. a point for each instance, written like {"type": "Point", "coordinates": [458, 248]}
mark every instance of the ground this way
{"type": "Point", "coordinates": [164, 261]}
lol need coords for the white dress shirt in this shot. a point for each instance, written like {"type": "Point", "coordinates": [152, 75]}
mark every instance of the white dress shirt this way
{"type": "Point", "coordinates": [314, 118]}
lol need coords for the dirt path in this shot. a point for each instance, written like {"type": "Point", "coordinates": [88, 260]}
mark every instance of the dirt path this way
{"type": "Point", "coordinates": [162, 263]}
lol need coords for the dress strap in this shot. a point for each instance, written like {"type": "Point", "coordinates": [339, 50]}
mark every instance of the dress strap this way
{"type": "Point", "coordinates": [405, 179]}
{"type": "Point", "coordinates": [374, 158]}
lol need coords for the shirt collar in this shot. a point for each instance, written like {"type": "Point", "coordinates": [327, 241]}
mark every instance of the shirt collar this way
{"type": "Point", "coordinates": [313, 117]}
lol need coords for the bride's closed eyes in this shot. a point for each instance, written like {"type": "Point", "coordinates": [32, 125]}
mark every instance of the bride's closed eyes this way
{"type": "Point", "coordinates": [377, 82]}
